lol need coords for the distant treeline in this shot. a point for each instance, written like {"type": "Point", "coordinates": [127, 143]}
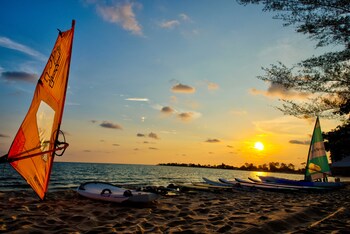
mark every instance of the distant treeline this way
{"type": "Point", "coordinates": [267, 167]}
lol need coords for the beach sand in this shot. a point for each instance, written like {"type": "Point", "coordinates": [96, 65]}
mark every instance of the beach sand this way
{"type": "Point", "coordinates": [201, 212]}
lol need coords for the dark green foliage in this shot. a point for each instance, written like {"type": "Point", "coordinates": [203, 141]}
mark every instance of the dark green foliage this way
{"type": "Point", "coordinates": [271, 167]}
{"type": "Point", "coordinates": [327, 21]}
{"type": "Point", "coordinates": [326, 78]}
{"type": "Point", "coordinates": [337, 142]}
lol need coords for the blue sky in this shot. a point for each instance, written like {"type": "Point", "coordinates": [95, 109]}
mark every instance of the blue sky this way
{"type": "Point", "coordinates": [158, 81]}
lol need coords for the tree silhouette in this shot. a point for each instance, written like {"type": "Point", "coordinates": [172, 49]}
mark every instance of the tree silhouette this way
{"type": "Point", "coordinates": [325, 78]}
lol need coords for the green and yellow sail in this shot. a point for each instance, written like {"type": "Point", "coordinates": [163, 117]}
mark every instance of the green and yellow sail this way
{"type": "Point", "coordinates": [317, 166]}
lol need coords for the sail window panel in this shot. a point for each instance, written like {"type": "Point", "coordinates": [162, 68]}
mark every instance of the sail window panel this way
{"type": "Point", "coordinates": [45, 119]}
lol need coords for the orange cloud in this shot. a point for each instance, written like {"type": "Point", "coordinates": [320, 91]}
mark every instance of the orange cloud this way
{"type": "Point", "coordinates": [212, 86]}
{"type": "Point", "coordinates": [106, 124]}
{"type": "Point", "coordinates": [167, 110]}
{"type": "Point", "coordinates": [153, 135]}
{"type": "Point", "coordinates": [150, 135]}
{"type": "Point", "coordinates": [212, 140]}
{"type": "Point", "coordinates": [299, 142]}
{"type": "Point", "coordinates": [185, 116]}
{"type": "Point", "coordinates": [278, 90]}
{"type": "Point", "coordinates": [181, 88]}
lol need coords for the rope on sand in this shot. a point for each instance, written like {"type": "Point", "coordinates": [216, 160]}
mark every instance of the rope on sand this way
{"type": "Point", "coordinates": [341, 209]}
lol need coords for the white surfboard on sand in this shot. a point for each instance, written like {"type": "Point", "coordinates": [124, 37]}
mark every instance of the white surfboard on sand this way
{"type": "Point", "coordinates": [111, 193]}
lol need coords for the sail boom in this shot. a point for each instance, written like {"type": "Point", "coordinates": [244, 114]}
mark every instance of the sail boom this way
{"type": "Point", "coordinates": [36, 154]}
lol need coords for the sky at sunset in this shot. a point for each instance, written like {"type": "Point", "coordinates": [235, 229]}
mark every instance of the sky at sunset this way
{"type": "Point", "coordinates": [158, 81]}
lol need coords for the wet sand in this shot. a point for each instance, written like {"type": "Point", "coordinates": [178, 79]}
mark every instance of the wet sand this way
{"type": "Point", "coordinates": [200, 212]}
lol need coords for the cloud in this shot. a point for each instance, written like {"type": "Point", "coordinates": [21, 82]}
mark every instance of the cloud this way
{"type": "Point", "coordinates": [299, 142]}
{"type": "Point", "coordinates": [185, 17]}
{"type": "Point", "coordinates": [212, 140]}
{"type": "Point", "coordinates": [106, 124]}
{"type": "Point", "coordinates": [212, 86]}
{"type": "Point", "coordinates": [8, 43]}
{"type": "Point", "coordinates": [5, 136]}
{"type": "Point", "coordinates": [285, 125]}
{"type": "Point", "coordinates": [137, 99]}
{"type": "Point", "coordinates": [182, 115]}
{"type": "Point", "coordinates": [169, 24]}
{"type": "Point", "coordinates": [167, 110]}
{"type": "Point", "coordinates": [277, 90]}
{"type": "Point", "coordinates": [152, 148]}
{"type": "Point", "coordinates": [150, 135]}
{"type": "Point", "coordinates": [115, 144]}
{"type": "Point", "coordinates": [185, 116]}
{"type": "Point", "coordinates": [121, 14]}
{"type": "Point", "coordinates": [19, 76]}
{"type": "Point", "coordinates": [181, 88]}
{"type": "Point", "coordinates": [153, 135]}
{"type": "Point", "coordinates": [188, 116]}
{"type": "Point", "coordinates": [93, 121]}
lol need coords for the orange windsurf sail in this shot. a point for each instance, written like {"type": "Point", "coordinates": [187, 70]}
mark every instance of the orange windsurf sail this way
{"type": "Point", "coordinates": [33, 149]}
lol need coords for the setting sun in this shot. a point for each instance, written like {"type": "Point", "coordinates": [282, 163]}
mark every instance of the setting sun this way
{"type": "Point", "coordinates": [259, 146]}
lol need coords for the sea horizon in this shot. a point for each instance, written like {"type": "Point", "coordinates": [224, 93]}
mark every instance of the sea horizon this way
{"type": "Point", "coordinates": [69, 175]}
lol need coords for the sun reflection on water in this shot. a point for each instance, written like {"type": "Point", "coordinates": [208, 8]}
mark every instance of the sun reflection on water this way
{"type": "Point", "coordinates": [256, 174]}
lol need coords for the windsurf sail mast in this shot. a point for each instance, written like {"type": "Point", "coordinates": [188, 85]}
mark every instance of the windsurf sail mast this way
{"type": "Point", "coordinates": [36, 143]}
{"type": "Point", "coordinates": [317, 162]}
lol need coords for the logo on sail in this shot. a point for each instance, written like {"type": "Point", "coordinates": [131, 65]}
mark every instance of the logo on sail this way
{"type": "Point", "coordinates": [53, 65]}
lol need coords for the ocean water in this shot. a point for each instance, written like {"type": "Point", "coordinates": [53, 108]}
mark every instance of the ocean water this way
{"type": "Point", "coordinates": [71, 175]}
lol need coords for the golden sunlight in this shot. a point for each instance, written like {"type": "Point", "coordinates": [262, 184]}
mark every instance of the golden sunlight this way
{"type": "Point", "coordinates": [259, 146]}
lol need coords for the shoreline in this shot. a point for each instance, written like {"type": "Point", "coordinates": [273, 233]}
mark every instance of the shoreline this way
{"type": "Point", "coordinates": [199, 212]}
